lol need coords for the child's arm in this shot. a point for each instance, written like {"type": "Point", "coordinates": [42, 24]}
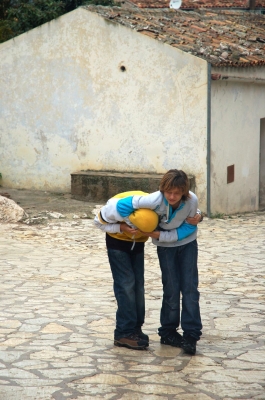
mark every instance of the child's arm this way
{"type": "Point", "coordinates": [131, 203]}
{"type": "Point", "coordinates": [198, 217]}
{"type": "Point", "coordinates": [173, 235]}
{"type": "Point", "coordinates": [106, 226]}
{"type": "Point", "coordinates": [185, 229]}
{"type": "Point", "coordinates": [109, 221]}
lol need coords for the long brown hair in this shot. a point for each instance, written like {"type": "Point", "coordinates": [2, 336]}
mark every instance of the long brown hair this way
{"type": "Point", "coordinates": [175, 178]}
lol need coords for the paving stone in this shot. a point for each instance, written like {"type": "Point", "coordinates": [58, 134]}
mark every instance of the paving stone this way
{"type": "Point", "coordinates": [29, 393]}
{"type": "Point", "coordinates": [57, 317]}
{"type": "Point", "coordinates": [155, 389]}
{"type": "Point", "coordinates": [141, 396]}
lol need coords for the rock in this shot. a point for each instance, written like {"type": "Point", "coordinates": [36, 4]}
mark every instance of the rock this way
{"type": "Point", "coordinates": [35, 220]}
{"type": "Point", "coordinates": [10, 211]}
{"type": "Point", "coordinates": [43, 217]}
{"type": "Point", "coordinates": [213, 57]}
{"type": "Point", "coordinates": [235, 55]}
{"type": "Point", "coordinates": [54, 214]}
{"type": "Point", "coordinates": [223, 46]}
{"type": "Point", "coordinates": [224, 55]}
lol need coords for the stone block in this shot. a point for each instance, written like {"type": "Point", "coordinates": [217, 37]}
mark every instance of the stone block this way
{"type": "Point", "coordinates": [99, 186]}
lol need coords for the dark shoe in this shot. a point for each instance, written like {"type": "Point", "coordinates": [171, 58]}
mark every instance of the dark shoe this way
{"type": "Point", "coordinates": [142, 335]}
{"type": "Point", "coordinates": [189, 345]}
{"type": "Point", "coordinates": [132, 341]}
{"type": "Point", "coordinates": [175, 339]}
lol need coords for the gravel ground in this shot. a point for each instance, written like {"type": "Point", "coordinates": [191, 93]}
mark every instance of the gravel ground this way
{"type": "Point", "coordinates": [39, 204]}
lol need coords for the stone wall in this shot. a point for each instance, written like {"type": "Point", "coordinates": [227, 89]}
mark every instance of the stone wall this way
{"type": "Point", "coordinates": [100, 186]}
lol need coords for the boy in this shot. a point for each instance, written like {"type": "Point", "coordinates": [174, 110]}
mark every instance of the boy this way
{"type": "Point", "coordinates": [125, 247]}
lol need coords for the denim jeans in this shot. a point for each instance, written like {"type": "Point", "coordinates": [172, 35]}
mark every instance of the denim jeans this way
{"type": "Point", "coordinates": [128, 276]}
{"type": "Point", "coordinates": [180, 276]}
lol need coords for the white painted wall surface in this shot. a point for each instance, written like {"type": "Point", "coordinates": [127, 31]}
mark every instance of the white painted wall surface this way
{"type": "Point", "coordinates": [237, 109]}
{"type": "Point", "coordinates": [67, 106]}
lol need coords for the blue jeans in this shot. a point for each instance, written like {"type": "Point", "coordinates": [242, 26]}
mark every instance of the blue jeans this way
{"type": "Point", "coordinates": [128, 276]}
{"type": "Point", "coordinates": [180, 276]}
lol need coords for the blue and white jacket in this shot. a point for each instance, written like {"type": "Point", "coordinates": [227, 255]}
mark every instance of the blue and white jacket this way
{"type": "Point", "coordinates": [174, 230]}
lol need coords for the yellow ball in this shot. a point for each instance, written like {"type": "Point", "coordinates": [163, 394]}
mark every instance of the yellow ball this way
{"type": "Point", "coordinates": [144, 219]}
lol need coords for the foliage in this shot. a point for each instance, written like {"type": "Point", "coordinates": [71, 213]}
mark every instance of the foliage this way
{"type": "Point", "coordinates": [28, 15]}
{"type": "Point", "coordinates": [6, 31]}
{"type": "Point", "coordinates": [4, 6]}
{"type": "Point", "coordinates": [19, 16]}
{"type": "Point", "coordinates": [102, 2]}
{"type": "Point", "coordinates": [217, 215]}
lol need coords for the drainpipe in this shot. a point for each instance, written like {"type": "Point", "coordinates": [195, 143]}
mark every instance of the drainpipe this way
{"type": "Point", "coordinates": [208, 179]}
{"type": "Point", "coordinates": [252, 4]}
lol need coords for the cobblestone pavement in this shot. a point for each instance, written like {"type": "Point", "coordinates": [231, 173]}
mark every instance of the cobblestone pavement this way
{"type": "Point", "coordinates": [58, 314]}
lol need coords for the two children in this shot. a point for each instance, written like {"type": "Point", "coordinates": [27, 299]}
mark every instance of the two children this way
{"type": "Point", "coordinates": [175, 238]}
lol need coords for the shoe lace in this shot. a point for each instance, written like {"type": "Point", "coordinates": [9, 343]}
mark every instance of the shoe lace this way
{"type": "Point", "coordinates": [134, 336]}
{"type": "Point", "coordinates": [176, 337]}
{"type": "Point", "coordinates": [190, 341]}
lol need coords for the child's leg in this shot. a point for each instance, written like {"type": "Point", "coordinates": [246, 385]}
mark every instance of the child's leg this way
{"type": "Point", "coordinates": [170, 311]}
{"type": "Point", "coordinates": [190, 314]}
{"type": "Point", "coordinates": [124, 290]}
{"type": "Point", "coordinates": [137, 261]}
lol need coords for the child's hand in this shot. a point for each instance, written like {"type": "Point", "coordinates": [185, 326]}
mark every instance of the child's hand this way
{"type": "Point", "coordinates": [194, 220]}
{"type": "Point", "coordinates": [154, 235]}
{"type": "Point", "coordinates": [126, 228]}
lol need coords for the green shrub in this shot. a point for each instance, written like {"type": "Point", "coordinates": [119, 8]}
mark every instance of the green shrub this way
{"type": "Point", "coordinates": [17, 17]}
{"type": "Point", "coordinates": [217, 215]}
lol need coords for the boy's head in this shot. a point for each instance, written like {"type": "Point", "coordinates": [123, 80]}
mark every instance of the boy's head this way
{"type": "Point", "coordinates": [144, 219]}
{"type": "Point", "coordinates": [175, 179]}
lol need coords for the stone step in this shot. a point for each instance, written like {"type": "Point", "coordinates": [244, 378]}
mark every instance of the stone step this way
{"type": "Point", "coordinates": [99, 186]}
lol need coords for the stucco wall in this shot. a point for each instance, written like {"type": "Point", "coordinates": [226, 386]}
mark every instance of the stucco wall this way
{"type": "Point", "coordinates": [237, 109]}
{"type": "Point", "coordinates": [66, 105]}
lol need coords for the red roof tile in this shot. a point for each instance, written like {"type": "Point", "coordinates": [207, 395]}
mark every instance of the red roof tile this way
{"type": "Point", "coordinates": [223, 38]}
{"type": "Point", "coordinates": [194, 4]}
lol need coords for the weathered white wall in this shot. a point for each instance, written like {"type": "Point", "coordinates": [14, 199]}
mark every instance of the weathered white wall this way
{"type": "Point", "coordinates": [66, 105]}
{"type": "Point", "coordinates": [237, 108]}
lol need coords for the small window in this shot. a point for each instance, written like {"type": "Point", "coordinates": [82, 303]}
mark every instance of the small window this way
{"type": "Point", "coordinates": [230, 173]}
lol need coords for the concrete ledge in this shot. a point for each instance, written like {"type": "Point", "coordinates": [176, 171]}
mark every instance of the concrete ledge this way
{"type": "Point", "coordinates": [101, 185]}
